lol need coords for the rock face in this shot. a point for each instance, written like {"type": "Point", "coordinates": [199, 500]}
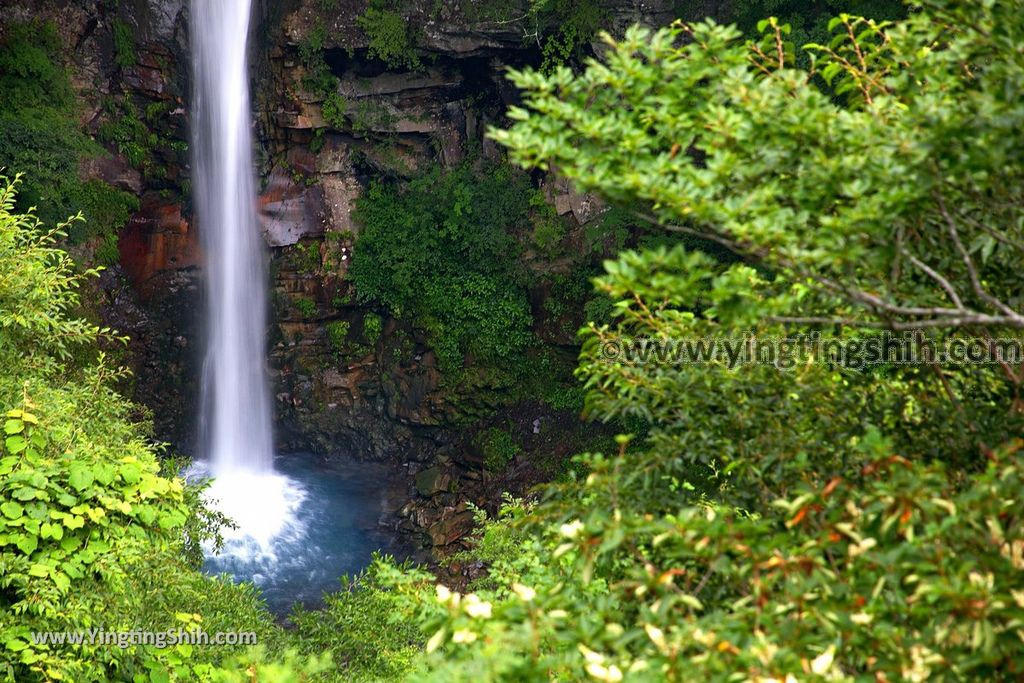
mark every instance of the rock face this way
{"type": "Point", "coordinates": [373, 396]}
{"type": "Point", "coordinates": [132, 97]}
{"type": "Point", "coordinates": [347, 379]}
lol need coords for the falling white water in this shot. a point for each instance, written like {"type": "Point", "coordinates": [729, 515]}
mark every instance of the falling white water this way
{"type": "Point", "coordinates": [235, 403]}
{"type": "Point", "coordinates": [236, 407]}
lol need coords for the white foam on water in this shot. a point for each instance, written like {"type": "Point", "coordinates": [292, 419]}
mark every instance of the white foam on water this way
{"type": "Point", "coordinates": [267, 509]}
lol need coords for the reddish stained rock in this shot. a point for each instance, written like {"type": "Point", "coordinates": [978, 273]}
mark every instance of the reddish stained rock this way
{"type": "Point", "coordinates": [157, 238]}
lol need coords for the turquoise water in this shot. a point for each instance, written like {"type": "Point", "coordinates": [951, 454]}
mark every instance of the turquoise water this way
{"type": "Point", "coordinates": [305, 525]}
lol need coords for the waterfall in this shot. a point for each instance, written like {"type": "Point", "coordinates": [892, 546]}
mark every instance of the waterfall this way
{"type": "Point", "coordinates": [235, 419]}
{"type": "Point", "coordinates": [236, 406]}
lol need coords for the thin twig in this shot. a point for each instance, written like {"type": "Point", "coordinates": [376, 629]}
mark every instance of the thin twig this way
{"type": "Point", "coordinates": [943, 282]}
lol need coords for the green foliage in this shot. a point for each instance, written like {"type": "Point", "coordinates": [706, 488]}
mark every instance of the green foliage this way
{"type": "Point", "coordinates": [740, 193]}
{"type": "Point", "coordinates": [334, 109]}
{"type": "Point", "coordinates": [369, 115]}
{"type": "Point", "coordinates": [202, 525]}
{"type": "Point", "coordinates": [392, 39]}
{"type": "Point", "coordinates": [369, 626]}
{"type": "Point", "coordinates": [809, 20]}
{"type": "Point", "coordinates": [897, 574]}
{"type": "Point", "coordinates": [568, 295]}
{"type": "Point", "coordinates": [568, 26]}
{"type": "Point", "coordinates": [763, 527]}
{"type": "Point", "coordinates": [124, 43]}
{"type": "Point", "coordinates": [439, 251]}
{"type": "Point", "coordinates": [820, 523]}
{"type": "Point", "coordinates": [30, 75]}
{"type": "Point", "coordinates": [48, 145]}
{"type": "Point", "coordinates": [562, 28]}
{"type": "Point", "coordinates": [127, 131]}
{"type": "Point", "coordinates": [373, 326]}
{"type": "Point", "coordinates": [318, 77]}
{"type": "Point", "coordinates": [549, 228]}
{"type": "Point", "coordinates": [337, 334]}
{"type": "Point", "coordinates": [102, 206]}
{"type": "Point", "coordinates": [40, 136]}
{"type": "Point", "coordinates": [492, 10]}
{"type": "Point", "coordinates": [565, 398]}
{"type": "Point", "coordinates": [306, 257]}
{"type": "Point", "coordinates": [306, 307]}
{"type": "Point", "coordinates": [92, 535]}
{"type": "Point", "coordinates": [498, 448]}
{"type": "Point", "coordinates": [317, 143]}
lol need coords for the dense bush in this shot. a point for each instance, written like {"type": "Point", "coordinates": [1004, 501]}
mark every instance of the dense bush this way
{"type": "Point", "coordinates": [808, 19]}
{"type": "Point", "coordinates": [369, 626]}
{"type": "Point", "coordinates": [765, 530]}
{"type": "Point", "coordinates": [823, 522]}
{"type": "Point", "coordinates": [440, 251]}
{"type": "Point", "coordinates": [901, 575]}
{"type": "Point", "coordinates": [498, 448]}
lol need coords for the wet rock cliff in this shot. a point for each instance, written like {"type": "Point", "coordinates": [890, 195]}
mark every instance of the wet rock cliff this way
{"type": "Point", "coordinates": [347, 93]}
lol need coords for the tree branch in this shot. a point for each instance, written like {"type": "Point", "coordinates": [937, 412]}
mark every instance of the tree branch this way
{"type": "Point", "coordinates": [943, 282]}
{"type": "Point", "coordinates": [930, 316]}
{"type": "Point", "coordinates": [972, 271]}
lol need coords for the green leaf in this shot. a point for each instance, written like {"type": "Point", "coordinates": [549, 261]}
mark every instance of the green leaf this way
{"type": "Point", "coordinates": [24, 493]}
{"type": "Point", "coordinates": [15, 444]}
{"type": "Point", "coordinates": [39, 570]}
{"type": "Point", "coordinates": [61, 580]}
{"type": "Point", "coordinates": [80, 477]}
{"type": "Point", "coordinates": [16, 644]}
{"type": "Point", "coordinates": [11, 510]}
{"type": "Point", "coordinates": [131, 472]}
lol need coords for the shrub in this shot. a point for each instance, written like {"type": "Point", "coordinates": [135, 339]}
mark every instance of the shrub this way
{"type": "Point", "coordinates": [372, 327]}
{"type": "Point", "coordinates": [40, 136]}
{"type": "Point", "coordinates": [126, 130]}
{"type": "Point", "coordinates": [440, 252]}
{"type": "Point", "coordinates": [334, 109]}
{"type": "Point", "coordinates": [498, 448]}
{"type": "Point", "coordinates": [890, 576]}
{"type": "Point", "coordinates": [337, 334]}
{"type": "Point", "coordinates": [306, 307]}
{"type": "Point", "coordinates": [748, 538]}
{"type": "Point", "coordinates": [91, 532]}
{"type": "Point", "coordinates": [105, 209]}
{"type": "Point", "coordinates": [391, 39]}
{"type": "Point", "coordinates": [31, 75]}
{"type": "Point", "coordinates": [369, 626]}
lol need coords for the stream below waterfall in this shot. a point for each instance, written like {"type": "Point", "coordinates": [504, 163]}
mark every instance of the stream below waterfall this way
{"type": "Point", "coordinates": [304, 525]}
